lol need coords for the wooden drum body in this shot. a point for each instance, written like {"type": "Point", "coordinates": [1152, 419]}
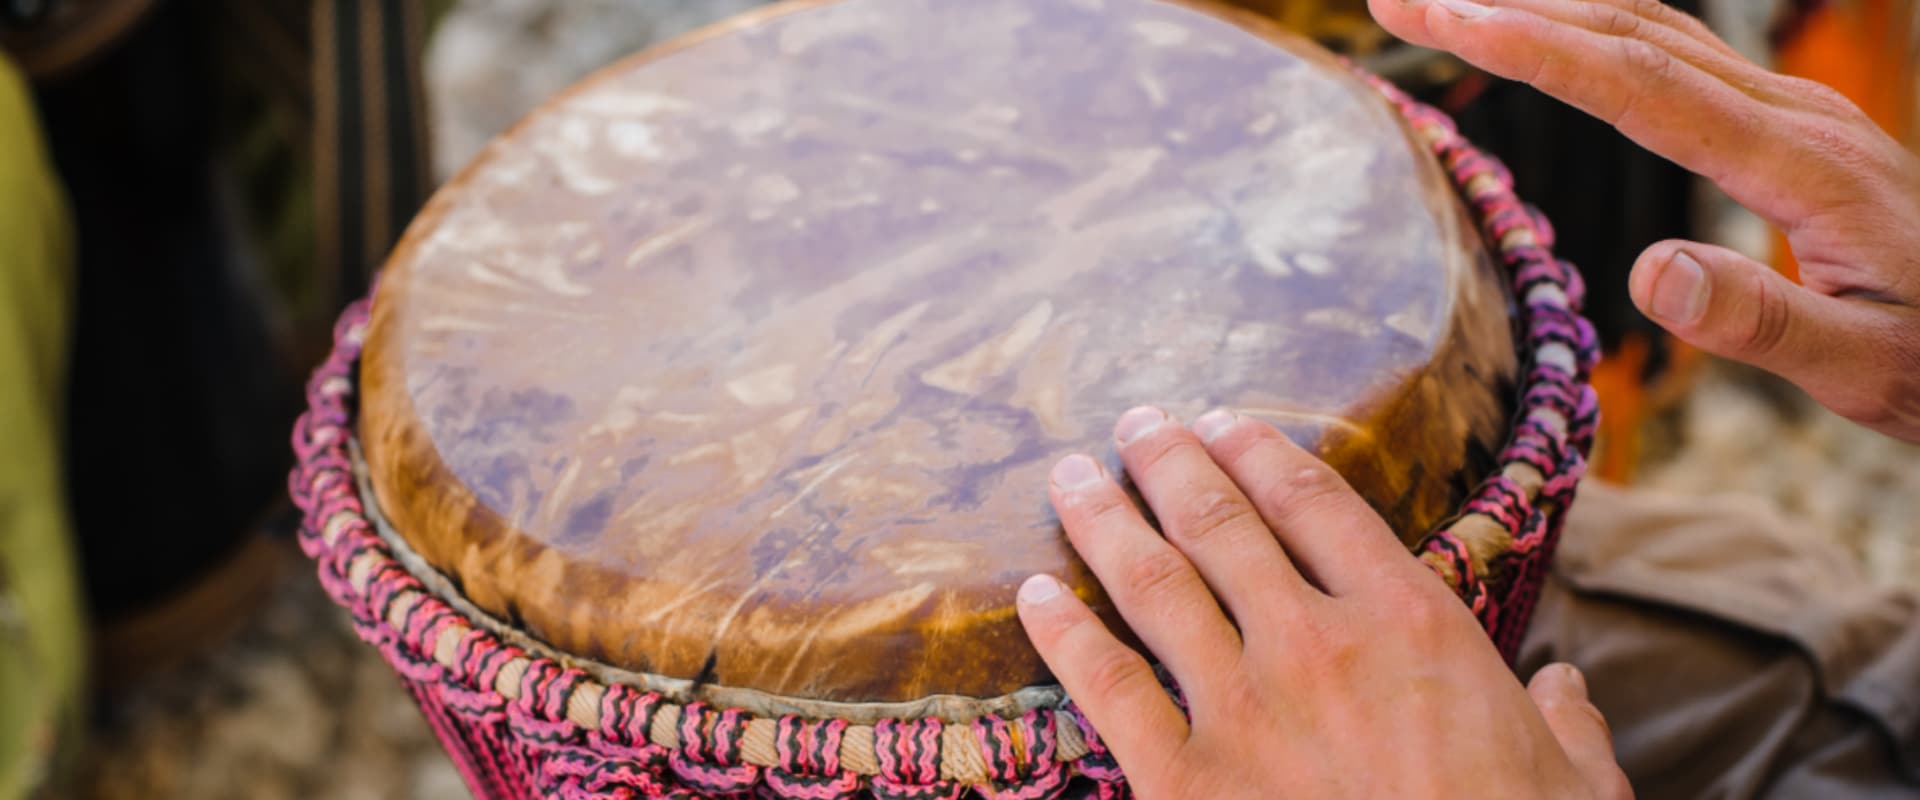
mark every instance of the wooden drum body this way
{"type": "Point", "coordinates": [697, 437]}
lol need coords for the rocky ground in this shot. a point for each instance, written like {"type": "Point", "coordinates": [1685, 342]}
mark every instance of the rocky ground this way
{"type": "Point", "coordinates": [296, 706]}
{"type": "Point", "coordinates": [1743, 431]}
{"type": "Point", "coordinates": [491, 61]}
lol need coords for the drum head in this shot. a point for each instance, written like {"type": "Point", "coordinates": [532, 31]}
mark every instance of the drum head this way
{"type": "Point", "coordinates": [745, 361]}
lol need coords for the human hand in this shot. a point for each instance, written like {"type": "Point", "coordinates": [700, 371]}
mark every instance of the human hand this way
{"type": "Point", "coordinates": [1795, 152]}
{"type": "Point", "coordinates": [1318, 657]}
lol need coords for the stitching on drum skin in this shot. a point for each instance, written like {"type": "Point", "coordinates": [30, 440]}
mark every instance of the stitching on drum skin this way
{"type": "Point", "coordinates": [457, 663]}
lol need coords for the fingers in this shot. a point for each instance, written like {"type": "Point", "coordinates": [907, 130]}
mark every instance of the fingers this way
{"type": "Point", "coordinates": [1408, 19]}
{"type": "Point", "coordinates": [1731, 306]}
{"type": "Point", "coordinates": [1659, 24]}
{"type": "Point", "coordinates": [1796, 152]}
{"type": "Point", "coordinates": [1560, 692]}
{"type": "Point", "coordinates": [1666, 88]}
{"type": "Point", "coordinates": [1205, 515]}
{"type": "Point", "coordinates": [1326, 528]}
{"type": "Point", "coordinates": [1156, 590]}
{"type": "Point", "coordinates": [1112, 684]}
{"type": "Point", "coordinates": [1626, 81]}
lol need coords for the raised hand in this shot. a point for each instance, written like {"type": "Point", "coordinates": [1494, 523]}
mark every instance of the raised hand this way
{"type": "Point", "coordinates": [1794, 151]}
{"type": "Point", "coordinates": [1318, 658]}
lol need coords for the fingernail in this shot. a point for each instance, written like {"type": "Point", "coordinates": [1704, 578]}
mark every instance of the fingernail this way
{"type": "Point", "coordinates": [1039, 589]}
{"type": "Point", "coordinates": [1213, 423]}
{"type": "Point", "coordinates": [1075, 472]}
{"type": "Point", "coordinates": [1575, 678]}
{"type": "Point", "coordinates": [1466, 9]}
{"type": "Point", "coordinates": [1680, 293]}
{"type": "Point", "coordinates": [1137, 423]}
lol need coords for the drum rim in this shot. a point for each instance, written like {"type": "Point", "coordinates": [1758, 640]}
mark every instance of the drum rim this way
{"type": "Point", "coordinates": [1493, 554]}
{"type": "Point", "coordinates": [949, 707]}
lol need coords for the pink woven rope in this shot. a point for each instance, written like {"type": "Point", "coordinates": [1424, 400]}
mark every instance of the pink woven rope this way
{"type": "Point", "coordinates": [530, 747]}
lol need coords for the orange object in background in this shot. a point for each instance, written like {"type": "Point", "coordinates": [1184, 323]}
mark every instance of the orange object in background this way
{"type": "Point", "coordinates": [1623, 406]}
{"type": "Point", "coordinates": [1865, 49]}
{"type": "Point", "coordinates": [1629, 397]}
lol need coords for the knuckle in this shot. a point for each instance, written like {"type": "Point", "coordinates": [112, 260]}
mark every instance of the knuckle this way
{"type": "Point", "coordinates": [1551, 75]}
{"type": "Point", "coordinates": [1613, 20]}
{"type": "Point", "coordinates": [1329, 644]}
{"type": "Point", "coordinates": [1154, 451]}
{"type": "Point", "coordinates": [1574, 709]}
{"type": "Point", "coordinates": [1654, 11]}
{"type": "Point", "coordinates": [1112, 673]}
{"type": "Point", "coordinates": [1645, 60]}
{"type": "Point", "coordinates": [1210, 513]}
{"type": "Point", "coordinates": [1422, 607]}
{"type": "Point", "coordinates": [1101, 508]}
{"type": "Point", "coordinates": [1818, 96]}
{"type": "Point", "coordinates": [1765, 327]}
{"type": "Point", "coordinates": [1157, 575]}
{"type": "Point", "coordinates": [1305, 489]}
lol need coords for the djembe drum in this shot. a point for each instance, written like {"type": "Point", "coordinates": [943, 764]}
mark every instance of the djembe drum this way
{"type": "Point", "coordinates": [696, 437]}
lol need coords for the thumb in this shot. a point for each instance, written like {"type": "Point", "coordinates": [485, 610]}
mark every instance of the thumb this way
{"type": "Point", "coordinates": [1560, 692]}
{"type": "Point", "coordinates": [1732, 306]}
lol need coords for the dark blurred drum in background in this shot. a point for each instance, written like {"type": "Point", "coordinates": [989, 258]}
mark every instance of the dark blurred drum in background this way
{"type": "Point", "coordinates": [184, 135]}
{"type": "Point", "coordinates": [52, 38]}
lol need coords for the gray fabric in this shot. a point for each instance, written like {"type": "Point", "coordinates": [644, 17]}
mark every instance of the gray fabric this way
{"type": "Point", "coordinates": [1733, 655]}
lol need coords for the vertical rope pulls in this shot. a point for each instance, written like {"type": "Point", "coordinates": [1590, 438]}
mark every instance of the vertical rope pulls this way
{"type": "Point", "coordinates": [1495, 554]}
{"type": "Point", "coordinates": [522, 725]}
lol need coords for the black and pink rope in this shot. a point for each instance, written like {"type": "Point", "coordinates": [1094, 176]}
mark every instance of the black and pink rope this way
{"type": "Point", "coordinates": [520, 724]}
{"type": "Point", "coordinates": [909, 756]}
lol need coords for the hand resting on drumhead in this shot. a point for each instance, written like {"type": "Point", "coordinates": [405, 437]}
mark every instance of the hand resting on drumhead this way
{"type": "Point", "coordinates": [1317, 657]}
{"type": "Point", "coordinates": [1794, 151]}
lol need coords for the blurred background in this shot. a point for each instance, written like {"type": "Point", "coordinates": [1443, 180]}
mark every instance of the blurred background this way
{"type": "Point", "coordinates": [190, 190]}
